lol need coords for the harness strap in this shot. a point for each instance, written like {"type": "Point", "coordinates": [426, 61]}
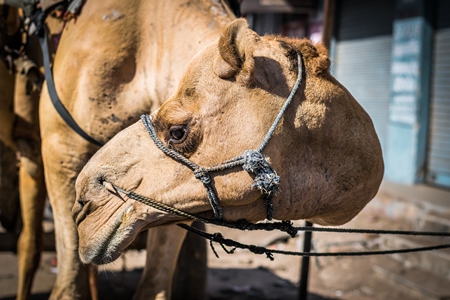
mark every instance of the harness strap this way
{"type": "Point", "coordinates": [59, 106]}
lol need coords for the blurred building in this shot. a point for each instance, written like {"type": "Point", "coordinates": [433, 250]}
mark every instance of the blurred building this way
{"type": "Point", "coordinates": [394, 57]}
{"type": "Point", "coordinates": [295, 18]}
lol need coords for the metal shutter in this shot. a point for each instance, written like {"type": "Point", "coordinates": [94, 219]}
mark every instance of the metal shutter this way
{"type": "Point", "coordinates": [438, 171]}
{"type": "Point", "coordinates": [363, 56]}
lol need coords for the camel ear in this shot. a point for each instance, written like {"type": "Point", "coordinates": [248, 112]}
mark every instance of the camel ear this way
{"type": "Point", "coordinates": [236, 50]}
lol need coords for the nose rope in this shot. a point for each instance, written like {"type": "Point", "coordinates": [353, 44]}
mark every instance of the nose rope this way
{"type": "Point", "coordinates": [283, 226]}
{"type": "Point", "coordinates": [252, 161]}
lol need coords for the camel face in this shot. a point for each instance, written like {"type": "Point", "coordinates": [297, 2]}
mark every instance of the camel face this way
{"type": "Point", "coordinates": [325, 149]}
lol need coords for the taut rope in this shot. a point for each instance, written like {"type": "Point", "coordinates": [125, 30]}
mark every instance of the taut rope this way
{"type": "Point", "coordinates": [284, 226]}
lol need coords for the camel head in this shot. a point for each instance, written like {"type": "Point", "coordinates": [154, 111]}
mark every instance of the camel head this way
{"type": "Point", "coordinates": [324, 149]}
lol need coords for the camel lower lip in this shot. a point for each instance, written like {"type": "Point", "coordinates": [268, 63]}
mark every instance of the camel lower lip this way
{"type": "Point", "coordinates": [106, 250]}
{"type": "Point", "coordinates": [99, 255]}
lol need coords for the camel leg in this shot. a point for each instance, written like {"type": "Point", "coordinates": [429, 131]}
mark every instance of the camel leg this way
{"type": "Point", "coordinates": [64, 154]}
{"type": "Point", "coordinates": [31, 177]}
{"type": "Point", "coordinates": [32, 199]}
{"type": "Point", "coordinates": [189, 280]}
{"type": "Point", "coordinates": [72, 280]}
{"type": "Point", "coordinates": [93, 276]}
{"type": "Point", "coordinates": [163, 245]}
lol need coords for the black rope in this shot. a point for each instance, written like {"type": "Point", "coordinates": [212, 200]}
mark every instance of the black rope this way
{"type": "Point", "coordinates": [220, 239]}
{"type": "Point", "coordinates": [284, 226]}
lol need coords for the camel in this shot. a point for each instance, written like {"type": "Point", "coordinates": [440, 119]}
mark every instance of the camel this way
{"type": "Point", "coordinates": [19, 101]}
{"type": "Point", "coordinates": [324, 148]}
{"type": "Point", "coordinates": [115, 61]}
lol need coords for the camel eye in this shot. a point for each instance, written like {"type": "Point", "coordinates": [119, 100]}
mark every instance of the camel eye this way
{"type": "Point", "coordinates": [177, 134]}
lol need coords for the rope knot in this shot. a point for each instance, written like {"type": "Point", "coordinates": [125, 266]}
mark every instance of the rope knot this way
{"type": "Point", "coordinates": [260, 250]}
{"type": "Point", "coordinates": [287, 227]}
{"type": "Point", "coordinates": [202, 175]}
{"type": "Point", "coordinates": [242, 224]}
{"type": "Point", "coordinates": [217, 237]}
{"type": "Point", "coordinates": [256, 249]}
{"type": "Point", "coordinates": [266, 179]}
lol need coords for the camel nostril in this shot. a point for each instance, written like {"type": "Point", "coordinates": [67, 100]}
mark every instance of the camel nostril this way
{"type": "Point", "coordinates": [78, 213]}
{"type": "Point", "coordinates": [100, 179]}
{"type": "Point", "coordinates": [82, 202]}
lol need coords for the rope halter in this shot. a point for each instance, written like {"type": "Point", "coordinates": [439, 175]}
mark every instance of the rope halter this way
{"type": "Point", "coordinates": [252, 161]}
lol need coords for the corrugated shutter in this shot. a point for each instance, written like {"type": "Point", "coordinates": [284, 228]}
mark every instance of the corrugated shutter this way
{"type": "Point", "coordinates": [438, 171]}
{"type": "Point", "coordinates": [362, 58]}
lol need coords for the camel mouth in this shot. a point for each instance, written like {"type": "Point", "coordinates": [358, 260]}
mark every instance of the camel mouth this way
{"type": "Point", "coordinates": [102, 241]}
{"type": "Point", "coordinates": [108, 246]}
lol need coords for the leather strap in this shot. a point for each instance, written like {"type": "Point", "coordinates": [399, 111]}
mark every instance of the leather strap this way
{"type": "Point", "coordinates": [62, 111]}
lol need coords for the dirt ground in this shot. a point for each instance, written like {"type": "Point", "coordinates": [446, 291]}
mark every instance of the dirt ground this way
{"type": "Point", "coordinates": [244, 275]}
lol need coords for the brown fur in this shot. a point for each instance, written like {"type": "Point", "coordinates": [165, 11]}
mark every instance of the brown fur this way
{"type": "Point", "coordinates": [325, 148]}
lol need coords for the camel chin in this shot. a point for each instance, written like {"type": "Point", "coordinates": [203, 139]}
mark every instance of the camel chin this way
{"type": "Point", "coordinates": [110, 240]}
{"type": "Point", "coordinates": [114, 229]}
